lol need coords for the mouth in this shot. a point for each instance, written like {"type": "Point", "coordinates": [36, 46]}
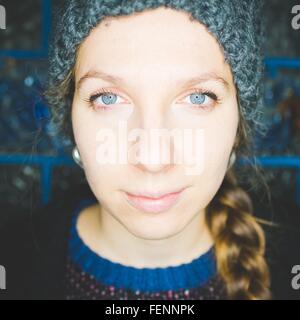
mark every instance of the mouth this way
{"type": "Point", "coordinates": [154, 202]}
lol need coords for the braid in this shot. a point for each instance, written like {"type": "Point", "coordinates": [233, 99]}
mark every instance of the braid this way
{"type": "Point", "coordinates": [239, 242]}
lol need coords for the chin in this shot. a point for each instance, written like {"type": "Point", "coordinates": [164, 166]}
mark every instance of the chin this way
{"type": "Point", "coordinates": [154, 228]}
{"type": "Point", "coordinates": [152, 235]}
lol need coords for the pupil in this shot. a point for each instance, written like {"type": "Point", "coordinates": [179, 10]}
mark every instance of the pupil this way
{"type": "Point", "coordinates": [197, 98]}
{"type": "Point", "coordinates": [109, 98]}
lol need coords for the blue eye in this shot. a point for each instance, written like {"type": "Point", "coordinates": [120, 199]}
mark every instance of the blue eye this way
{"type": "Point", "coordinates": [107, 98]}
{"type": "Point", "coordinates": [197, 98]}
{"type": "Point", "coordinates": [200, 99]}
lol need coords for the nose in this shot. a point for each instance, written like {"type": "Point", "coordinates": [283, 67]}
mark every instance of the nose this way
{"type": "Point", "coordinates": [155, 146]}
{"type": "Point", "coordinates": [155, 154]}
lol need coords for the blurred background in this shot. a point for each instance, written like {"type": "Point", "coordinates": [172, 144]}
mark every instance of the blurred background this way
{"type": "Point", "coordinates": [36, 166]}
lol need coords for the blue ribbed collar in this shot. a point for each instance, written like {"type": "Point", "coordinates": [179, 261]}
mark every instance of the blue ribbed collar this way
{"type": "Point", "coordinates": [184, 276]}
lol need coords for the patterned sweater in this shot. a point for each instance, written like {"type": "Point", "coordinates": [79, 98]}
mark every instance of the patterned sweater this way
{"type": "Point", "coordinates": [90, 276]}
{"type": "Point", "coordinates": [46, 259]}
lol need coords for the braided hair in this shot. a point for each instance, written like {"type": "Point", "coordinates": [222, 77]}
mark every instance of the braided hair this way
{"type": "Point", "coordinates": [239, 239]}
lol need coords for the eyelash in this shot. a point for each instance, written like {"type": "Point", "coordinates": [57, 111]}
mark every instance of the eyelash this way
{"type": "Point", "coordinates": [98, 94]}
{"type": "Point", "coordinates": [102, 91]}
{"type": "Point", "coordinates": [207, 93]}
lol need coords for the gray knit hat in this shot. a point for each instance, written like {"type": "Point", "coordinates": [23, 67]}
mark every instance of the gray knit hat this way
{"type": "Point", "coordinates": [236, 24]}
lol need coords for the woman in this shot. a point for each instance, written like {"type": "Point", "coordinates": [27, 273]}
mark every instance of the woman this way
{"type": "Point", "coordinates": [159, 229]}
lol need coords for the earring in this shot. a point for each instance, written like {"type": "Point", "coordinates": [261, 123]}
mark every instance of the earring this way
{"type": "Point", "coordinates": [76, 156]}
{"type": "Point", "coordinates": [231, 160]}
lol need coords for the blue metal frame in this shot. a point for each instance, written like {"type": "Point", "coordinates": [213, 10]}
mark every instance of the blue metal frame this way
{"type": "Point", "coordinates": [46, 29]}
{"type": "Point", "coordinates": [292, 162]}
{"type": "Point", "coordinates": [274, 64]}
{"type": "Point", "coordinates": [46, 164]}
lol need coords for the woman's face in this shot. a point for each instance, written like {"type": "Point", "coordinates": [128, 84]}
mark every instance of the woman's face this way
{"type": "Point", "coordinates": [149, 62]}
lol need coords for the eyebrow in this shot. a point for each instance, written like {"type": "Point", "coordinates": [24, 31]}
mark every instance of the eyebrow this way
{"type": "Point", "coordinates": [100, 75]}
{"type": "Point", "coordinates": [207, 76]}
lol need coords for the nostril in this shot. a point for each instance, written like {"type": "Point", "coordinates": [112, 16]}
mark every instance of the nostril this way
{"type": "Point", "coordinates": [153, 168]}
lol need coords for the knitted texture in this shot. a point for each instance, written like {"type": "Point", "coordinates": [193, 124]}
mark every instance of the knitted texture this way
{"type": "Point", "coordinates": [236, 25]}
{"type": "Point", "coordinates": [80, 285]}
{"type": "Point", "coordinates": [92, 276]}
{"type": "Point", "coordinates": [192, 274]}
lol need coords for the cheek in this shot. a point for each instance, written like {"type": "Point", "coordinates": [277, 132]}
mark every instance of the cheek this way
{"type": "Point", "coordinates": [219, 145]}
{"type": "Point", "coordinates": [101, 177]}
{"type": "Point", "coordinates": [219, 139]}
{"type": "Point", "coordinates": [85, 132]}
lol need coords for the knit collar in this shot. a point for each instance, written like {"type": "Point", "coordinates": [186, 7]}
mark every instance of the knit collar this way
{"type": "Point", "coordinates": [184, 276]}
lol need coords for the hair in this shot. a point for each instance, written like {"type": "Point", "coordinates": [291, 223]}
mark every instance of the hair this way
{"type": "Point", "coordinates": [238, 237]}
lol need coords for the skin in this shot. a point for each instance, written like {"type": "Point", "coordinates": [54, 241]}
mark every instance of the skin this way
{"type": "Point", "coordinates": [155, 52]}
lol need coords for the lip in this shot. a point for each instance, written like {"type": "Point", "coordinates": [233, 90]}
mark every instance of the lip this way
{"type": "Point", "coordinates": [154, 202]}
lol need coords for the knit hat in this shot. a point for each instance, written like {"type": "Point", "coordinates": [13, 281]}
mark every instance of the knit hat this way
{"type": "Point", "coordinates": [236, 25]}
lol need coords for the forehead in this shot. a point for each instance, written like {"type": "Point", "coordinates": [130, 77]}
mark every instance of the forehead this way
{"type": "Point", "coordinates": [158, 42]}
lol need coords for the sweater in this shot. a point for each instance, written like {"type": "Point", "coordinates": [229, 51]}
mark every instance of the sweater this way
{"type": "Point", "coordinates": [45, 259]}
{"type": "Point", "coordinates": [91, 276]}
